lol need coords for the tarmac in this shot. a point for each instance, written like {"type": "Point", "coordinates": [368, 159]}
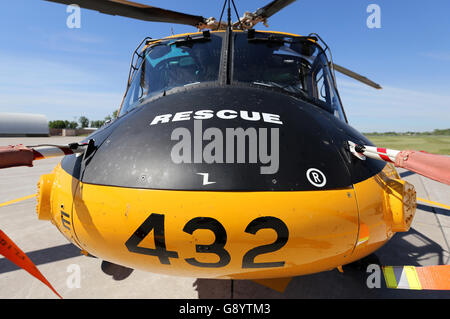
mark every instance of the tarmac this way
{"type": "Point", "coordinates": [427, 243]}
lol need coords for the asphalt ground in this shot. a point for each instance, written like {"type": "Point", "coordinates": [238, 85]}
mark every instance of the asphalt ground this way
{"type": "Point", "coordinates": [427, 243]}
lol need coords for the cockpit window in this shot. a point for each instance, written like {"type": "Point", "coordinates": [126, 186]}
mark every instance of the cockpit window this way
{"type": "Point", "coordinates": [174, 63]}
{"type": "Point", "coordinates": [292, 64]}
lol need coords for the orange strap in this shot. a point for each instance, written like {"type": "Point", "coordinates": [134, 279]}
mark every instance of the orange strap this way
{"type": "Point", "coordinates": [419, 278]}
{"type": "Point", "coordinates": [18, 257]}
{"type": "Point", "coordinates": [434, 277]}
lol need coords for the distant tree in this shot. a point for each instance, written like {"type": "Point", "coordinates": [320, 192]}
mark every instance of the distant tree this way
{"type": "Point", "coordinates": [72, 125]}
{"type": "Point", "coordinates": [97, 124]}
{"type": "Point", "coordinates": [59, 124]}
{"type": "Point", "coordinates": [84, 121]}
{"type": "Point", "coordinates": [442, 132]}
{"type": "Point", "coordinates": [115, 113]}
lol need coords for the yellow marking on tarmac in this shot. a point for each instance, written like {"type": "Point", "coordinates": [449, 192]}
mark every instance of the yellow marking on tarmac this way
{"type": "Point", "coordinates": [17, 200]}
{"type": "Point", "coordinates": [401, 277]}
{"type": "Point", "coordinates": [433, 203]}
{"type": "Point", "coordinates": [417, 278]}
{"type": "Point", "coordinates": [411, 276]}
{"type": "Point", "coordinates": [389, 276]}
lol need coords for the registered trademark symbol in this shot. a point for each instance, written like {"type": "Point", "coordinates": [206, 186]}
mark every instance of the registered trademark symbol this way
{"type": "Point", "coordinates": [316, 177]}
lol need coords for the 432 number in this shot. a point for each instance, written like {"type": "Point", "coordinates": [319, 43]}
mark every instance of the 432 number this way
{"type": "Point", "coordinates": [155, 223]}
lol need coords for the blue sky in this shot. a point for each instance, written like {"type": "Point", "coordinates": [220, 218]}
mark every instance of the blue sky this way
{"type": "Point", "coordinates": [47, 68]}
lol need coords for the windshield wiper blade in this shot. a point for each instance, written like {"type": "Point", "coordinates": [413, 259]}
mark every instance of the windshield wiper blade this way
{"type": "Point", "coordinates": [276, 39]}
{"type": "Point", "coordinates": [264, 84]}
{"type": "Point", "coordinates": [284, 89]}
{"type": "Point", "coordinates": [269, 39]}
{"type": "Point", "coordinates": [206, 36]}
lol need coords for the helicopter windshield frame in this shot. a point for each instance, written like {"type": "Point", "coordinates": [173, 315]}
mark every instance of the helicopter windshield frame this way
{"type": "Point", "coordinates": [292, 64]}
{"type": "Point", "coordinates": [173, 63]}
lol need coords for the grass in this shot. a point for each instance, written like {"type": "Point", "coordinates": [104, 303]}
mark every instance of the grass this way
{"type": "Point", "coordinates": [437, 144]}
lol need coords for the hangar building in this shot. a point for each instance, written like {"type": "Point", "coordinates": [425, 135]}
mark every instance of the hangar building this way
{"type": "Point", "coordinates": [23, 124]}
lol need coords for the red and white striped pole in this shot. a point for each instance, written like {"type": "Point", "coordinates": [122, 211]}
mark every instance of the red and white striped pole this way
{"type": "Point", "coordinates": [19, 155]}
{"type": "Point", "coordinates": [374, 152]}
{"type": "Point", "coordinates": [436, 167]}
{"type": "Point", "coordinates": [49, 151]}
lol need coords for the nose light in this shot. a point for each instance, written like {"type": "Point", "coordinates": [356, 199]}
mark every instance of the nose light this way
{"type": "Point", "coordinates": [44, 190]}
{"type": "Point", "coordinates": [401, 200]}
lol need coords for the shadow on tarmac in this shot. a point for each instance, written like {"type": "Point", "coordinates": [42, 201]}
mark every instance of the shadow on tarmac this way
{"type": "Point", "coordinates": [399, 251]}
{"type": "Point", "coordinates": [43, 256]}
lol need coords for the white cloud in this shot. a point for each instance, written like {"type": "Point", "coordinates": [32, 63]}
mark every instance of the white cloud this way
{"type": "Point", "coordinates": [439, 56]}
{"type": "Point", "coordinates": [60, 104]}
{"type": "Point", "coordinates": [66, 90]}
{"type": "Point", "coordinates": [394, 108]}
{"type": "Point", "coordinates": [58, 90]}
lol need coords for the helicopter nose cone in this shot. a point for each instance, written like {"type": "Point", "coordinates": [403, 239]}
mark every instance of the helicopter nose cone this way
{"type": "Point", "coordinates": [225, 139]}
{"type": "Point", "coordinates": [218, 183]}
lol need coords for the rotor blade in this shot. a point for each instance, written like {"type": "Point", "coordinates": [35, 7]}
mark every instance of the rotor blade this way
{"type": "Point", "coordinates": [135, 10]}
{"type": "Point", "coordinates": [270, 9]}
{"type": "Point", "coordinates": [356, 76]}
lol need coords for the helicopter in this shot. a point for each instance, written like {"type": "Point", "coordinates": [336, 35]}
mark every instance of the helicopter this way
{"type": "Point", "coordinates": [231, 158]}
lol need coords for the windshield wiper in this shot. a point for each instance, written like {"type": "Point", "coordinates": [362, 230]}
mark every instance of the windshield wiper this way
{"type": "Point", "coordinates": [285, 89]}
{"type": "Point", "coordinates": [297, 93]}
{"type": "Point", "coordinates": [206, 36]}
{"type": "Point", "coordinates": [276, 39]}
{"type": "Point", "coordinates": [269, 39]}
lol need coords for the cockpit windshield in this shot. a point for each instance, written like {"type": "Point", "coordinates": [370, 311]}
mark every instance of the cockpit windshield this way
{"type": "Point", "coordinates": [293, 64]}
{"type": "Point", "coordinates": [174, 63]}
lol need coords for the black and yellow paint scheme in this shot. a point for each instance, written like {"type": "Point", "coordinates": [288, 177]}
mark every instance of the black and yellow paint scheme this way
{"type": "Point", "coordinates": [126, 202]}
{"type": "Point", "coordinates": [242, 235]}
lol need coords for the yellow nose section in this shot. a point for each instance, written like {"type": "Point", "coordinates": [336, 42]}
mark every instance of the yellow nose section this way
{"type": "Point", "coordinates": [243, 235]}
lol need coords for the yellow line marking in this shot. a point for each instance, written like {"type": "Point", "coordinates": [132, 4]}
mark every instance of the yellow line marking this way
{"type": "Point", "coordinates": [413, 279]}
{"type": "Point", "coordinates": [433, 203]}
{"type": "Point", "coordinates": [17, 200]}
{"type": "Point", "coordinates": [389, 276]}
